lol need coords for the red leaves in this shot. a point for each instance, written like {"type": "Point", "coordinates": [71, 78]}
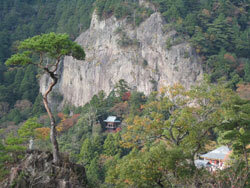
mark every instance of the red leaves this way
{"type": "Point", "coordinates": [126, 96]}
{"type": "Point", "coordinates": [66, 123]}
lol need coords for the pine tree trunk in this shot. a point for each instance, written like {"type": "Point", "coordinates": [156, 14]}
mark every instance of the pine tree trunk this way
{"type": "Point", "coordinates": [55, 148]}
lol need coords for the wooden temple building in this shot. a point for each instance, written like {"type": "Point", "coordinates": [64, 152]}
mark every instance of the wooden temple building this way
{"type": "Point", "coordinates": [112, 122]}
{"type": "Point", "coordinates": [215, 159]}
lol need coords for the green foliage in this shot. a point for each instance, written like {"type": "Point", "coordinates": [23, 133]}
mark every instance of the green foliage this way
{"type": "Point", "coordinates": [212, 27]}
{"type": "Point", "coordinates": [129, 9]}
{"type": "Point", "coordinates": [247, 71]}
{"type": "Point", "coordinates": [154, 167]}
{"type": "Point", "coordinates": [126, 41]}
{"type": "Point", "coordinates": [27, 130]}
{"type": "Point", "coordinates": [20, 20]}
{"type": "Point", "coordinates": [14, 115]}
{"type": "Point", "coordinates": [3, 157]}
{"type": "Point", "coordinates": [136, 101]}
{"type": "Point", "coordinates": [163, 137]}
{"type": "Point", "coordinates": [20, 59]}
{"type": "Point", "coordinates": [218, 30]}
{"type": "Point", "coordinates": [235, 129]}
{"type": "Point", "coordinates": [38, 107]}
{"type": "Point", "coordinates": [121, 87]}
{"type": "Point", "coordinates": [94, 173]}
{"type": "Point", "coordinates": [29, 87]}
{"type": "Point", "coordinates": [111, 146]}
{"type": "Point", "coordinates": [90, 149]}
{"type": "Point", "coordinates": [119, 8]}
{"type": "Point", "coordinates": [15, 148]}
{"type": "Point", "coordinates": [51, 45]}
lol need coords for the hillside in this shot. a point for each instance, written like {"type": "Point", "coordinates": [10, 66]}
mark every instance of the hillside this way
{"type": "Point", "coordinates": [155, 93]}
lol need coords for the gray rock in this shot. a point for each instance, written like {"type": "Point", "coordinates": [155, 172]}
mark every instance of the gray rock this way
{"type": "Point", "coordinates": [37, 170]}
{"type": "Point", "coordinates": [146, 65]}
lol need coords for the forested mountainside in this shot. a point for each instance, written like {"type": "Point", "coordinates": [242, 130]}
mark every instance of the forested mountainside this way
{"type": "Point", "coordinates": [23, 19]}
{"type": "Point", "coordinates": [217, 29]}
{"type": "Point", "coordinates": [161, 133]}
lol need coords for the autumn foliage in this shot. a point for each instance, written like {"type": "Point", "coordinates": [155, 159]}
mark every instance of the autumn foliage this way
{"type": "Point", "coordinates": [66, 123]}
{"type": "Point", "coordinates": [42, 133]}
{"type": "Point", "coordinates": [243, 91]}
{"type": "Point", "coordinates": [126, 96]}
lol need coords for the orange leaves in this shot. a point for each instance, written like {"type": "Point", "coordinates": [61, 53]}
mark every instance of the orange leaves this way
{"type": "Point", "coordinates": [229, 57]}
{"type": "Point", "coordinates": [42, 133]}
{"type": "Point", "coordinates": [243, 91]}
{"type": "Point", "coordinates": [66, 123]}
{"type": "Point", "coordinates": [61, 115]}
{"type": "Point", "coordinates": [127, 181]}
{"type": "Point", "coordinates": [206, 12]}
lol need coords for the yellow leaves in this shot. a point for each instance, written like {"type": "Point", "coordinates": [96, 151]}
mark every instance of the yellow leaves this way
{"type": "Point", "coordinates": [242, 10]}
{"type": "Point", "coordinates": [179, 21]}
{"type": "Point", "coordinates": [242, 131]}
{"type": "Point", "coordinates": [129, 127]}
{"type": "Point", "coordinates": [162, 90]}
{"type": "Point", "coordinates": [198, 49]}
{"type": "Point", "coordinates": [59, 129]}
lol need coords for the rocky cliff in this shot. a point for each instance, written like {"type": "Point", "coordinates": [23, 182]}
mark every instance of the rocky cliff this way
{"type": "Point", "coordinates": [38, 171]}
{"type": "Point", "coordinates": [140, 55]}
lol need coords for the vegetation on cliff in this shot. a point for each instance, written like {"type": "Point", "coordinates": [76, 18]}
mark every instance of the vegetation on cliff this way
{"type": "Point", "coordinates": [55, 47]}
{"type": "Point", "coordinates": [161, 134]}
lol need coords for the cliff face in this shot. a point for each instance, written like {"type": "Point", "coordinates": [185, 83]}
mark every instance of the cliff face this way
{"type": "Point", "coordinates": [115, 50]}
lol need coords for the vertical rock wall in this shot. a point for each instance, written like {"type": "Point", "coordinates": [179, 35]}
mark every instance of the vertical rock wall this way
{"type": "Point", "coordinates": [116, 50]}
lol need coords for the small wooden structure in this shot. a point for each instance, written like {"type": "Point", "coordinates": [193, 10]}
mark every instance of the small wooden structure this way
{"type": "Point", "coordinates": [215, 159]}
{"type": "Point", "coordinates": [112, 122]}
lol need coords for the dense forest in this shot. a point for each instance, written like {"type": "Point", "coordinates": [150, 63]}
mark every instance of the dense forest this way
{"type": "Point", "coordinates": [161, 134]}
{"type": "Point", "coordinates": [23, 19]}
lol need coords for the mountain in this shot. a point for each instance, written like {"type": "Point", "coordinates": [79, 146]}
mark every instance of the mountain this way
{"type": "Point", "coordinates": [116, 50]}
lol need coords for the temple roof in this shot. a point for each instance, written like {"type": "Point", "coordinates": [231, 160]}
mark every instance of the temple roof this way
{"type": "Point", "coordinates": [112, 119]}
{"type": "Point", "coordinates": [218, 154]}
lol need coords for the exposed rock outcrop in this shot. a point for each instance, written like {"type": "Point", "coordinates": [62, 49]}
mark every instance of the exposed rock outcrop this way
{"type": "Point", "coordinates": [38, 171]}
{"type": "Point", "coordinates": [116, 50]}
